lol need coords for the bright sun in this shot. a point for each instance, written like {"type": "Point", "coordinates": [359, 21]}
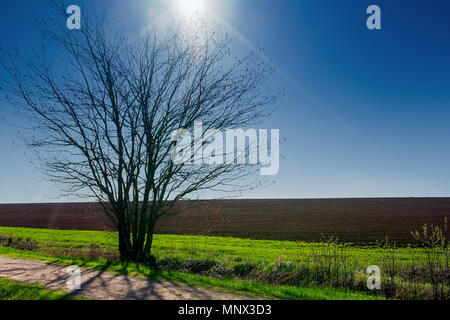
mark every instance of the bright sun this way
{"type": "Point", "coordinates": [191, 7]}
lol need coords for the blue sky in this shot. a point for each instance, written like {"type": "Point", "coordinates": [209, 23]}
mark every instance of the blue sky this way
{"type": "Point", "coordinates": [365, 114]}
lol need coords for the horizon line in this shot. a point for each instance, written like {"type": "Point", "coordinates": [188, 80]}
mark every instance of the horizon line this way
{"type": "Point", "coordinates": [244, 199]}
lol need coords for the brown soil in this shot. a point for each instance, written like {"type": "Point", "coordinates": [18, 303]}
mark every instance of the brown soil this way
{"type": "Point", "coordinates": [351, 220]}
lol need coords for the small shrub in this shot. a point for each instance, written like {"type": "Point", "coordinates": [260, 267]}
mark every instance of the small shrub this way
{"type": "Point", "coordinates": [19, 243]}
{"type": "Point", "coordinates": [282, 266]}
{"type": "Point", "coordinates": [243, 269]}
{"type": "Point", "coordinates": [433, 240]}
{"type": "Point", "coordinates": [194, 266]}
{"type": "Point", "coordinates": [219, 271]}
{"type": "Point", "coordinates": [197, 266]}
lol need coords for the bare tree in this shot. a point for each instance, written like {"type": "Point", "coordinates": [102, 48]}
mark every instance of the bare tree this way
{"type": "Point", "coordinates": [104, 106]}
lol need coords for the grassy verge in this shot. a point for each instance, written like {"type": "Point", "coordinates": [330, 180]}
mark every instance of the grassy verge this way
{"type": "Point", "coordinates": [230, 251]}
{"type": "Point", "coordinates": [236, 286]}
{"type": "Point", "coordinates": [273, 269]}
{"type": "Point", "coordinates": [13, 290]}
{"type": "Point", "coordinates": [266, 268]}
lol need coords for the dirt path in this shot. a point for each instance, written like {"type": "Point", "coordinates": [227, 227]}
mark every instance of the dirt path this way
{"type": "Point", "coordinates": [103, 285]}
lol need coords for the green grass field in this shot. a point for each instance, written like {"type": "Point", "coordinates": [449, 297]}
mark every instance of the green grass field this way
{"type": "Point", "coordinates": [64, 247]}
{"type": "Point", "coordinates": [227, 250]}
{"type": "Point", "coordinates": [13, 290]}
{"type": "Point", "coordinates": [196, 247]}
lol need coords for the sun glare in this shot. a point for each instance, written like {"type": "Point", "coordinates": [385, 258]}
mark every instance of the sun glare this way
{"type": "Point", "coordinates": [191, 7]}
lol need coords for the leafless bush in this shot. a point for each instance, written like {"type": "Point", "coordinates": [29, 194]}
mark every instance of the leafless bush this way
{"type": "Point", "coordinates": [390, 267]}
{"type": "Point", "coordinates": [18, 243]}
{"type": "Point", "coordinates": [433, 239]}
{"type": "Point", "coordinates": [331, 264]}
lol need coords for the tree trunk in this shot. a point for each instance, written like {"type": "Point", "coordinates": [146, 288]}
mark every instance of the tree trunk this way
{"type": "Point", "coordinates": [125, 249]}
{"type": "Point", "coordinates": [139, 251]}
{"type": "Point", "coordinates": [146, 249]}
{"type": "Point", "coordinates": [149, 242]}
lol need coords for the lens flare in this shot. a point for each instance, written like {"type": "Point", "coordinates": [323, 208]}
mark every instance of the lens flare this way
{"type": "Point", "coordinates": [191, 7]}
